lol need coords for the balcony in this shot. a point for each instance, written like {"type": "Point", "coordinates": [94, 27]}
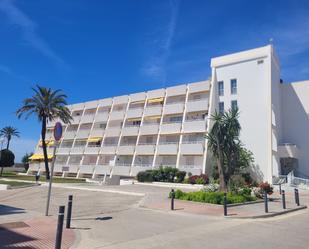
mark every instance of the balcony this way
{"type": "Point", "coordinates": [135, 112]}
{"type": "Point", "coordinates": [69, 134]}
{"type": "Point", "coordinates": [108, 149]}
{"type": "Point", "coordinates": [117, 115]}
{"type": "Point", "coordinates": [126, 150]}
{"type": "Point", "coordinates": [145, 149]}
{"type": "Point", "coordinates": [137, 168]}
{"type": "Point", "coordinates": [149, 129]}
{"type": "Point", "coordinates": [87, 118]}
{"type": "Point", "coordinates": [176, 90]}
{"type": "Point", "coordinates": [113, 131]}
{"type": "Point", "coordinates": [130, 130]}
{"type": "Point", "coordinates": [92, 149]}
{"type": "Point", "coordinates": [73, 168]}
{"type": "Point", "coordinates": [121, 100]}
{"type": "Point", "coordinates": [75, 120]}
{"type": "Point", "coordinates": [168, 128]}
{"type": "Point", "coordinates": [153, 111]}
{"type": "Point", "coordinates": [86, 169]}
{"type": "Point", "coordinates": [97, 133]}
{"type": "Point", "coordinates": [77, 150]}
{"type": "Point", "coordinates": [83, 133]}
{"type": "Point", "coordinates": [167, 149]}
{"type": "Point", "coordinates": [102, 169]}
{"type": "Point", "coordinates": [101, 117]}
{"type": "Point", "coordinates": [192, 149]}
{"type": "Point", "coordinates": [173, 108]}
{"type": "Point", "coordinates": [287, 150]}
{"type": "Point", "coordinates": [122, 170]}
{"type": "Point", "coordinates": [197, 105]}
{"type": "Point", "coordinates": [194, 126]}
{"type": "Point", "coordinates": [63, 150]}
{"type": "Point", "coordinates": [202, 86]}
{"type": "Point", "coordinates": [193, 169]}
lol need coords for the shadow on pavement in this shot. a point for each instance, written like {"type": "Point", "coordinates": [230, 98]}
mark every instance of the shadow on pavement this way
{"type": "Point", "coordinates": [96, 218]}
{"type": "Point", "coordinates": [6, 210]}
{"type": "Point", "coordinates": [9, 238]}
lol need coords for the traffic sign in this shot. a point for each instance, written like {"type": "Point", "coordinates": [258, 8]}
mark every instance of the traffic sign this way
{"type": "Point", "coordinates": [58, 131]}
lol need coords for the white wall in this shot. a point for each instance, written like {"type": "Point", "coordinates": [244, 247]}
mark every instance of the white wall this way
{"type": "Point", "coordinates": [253, 97]}
{"type": "Point", "coordinates": [295, 120]}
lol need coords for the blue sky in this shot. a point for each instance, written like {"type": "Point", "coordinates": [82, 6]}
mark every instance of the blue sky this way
{"type": "Point", "coordinates": [95, 49]}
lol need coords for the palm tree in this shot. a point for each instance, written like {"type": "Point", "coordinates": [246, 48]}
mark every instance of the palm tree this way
{"type": "Point", "coordinates": [224, 143]}
{"type": "Point", "coordinates": [47, 105]}
{"type": "Point", "coordinates": [8, 132]}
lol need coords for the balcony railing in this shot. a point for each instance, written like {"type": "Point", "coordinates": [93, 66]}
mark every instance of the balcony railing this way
{"type": "Point", "coordinates": [125, 164]}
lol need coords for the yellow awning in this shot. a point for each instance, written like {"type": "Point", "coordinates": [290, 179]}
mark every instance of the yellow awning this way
{"type": "Point", "coordinates": [134, 119]}
{"type": "Point", "coordinates": [138, 102]}
{"type": "Point", "coordinates": [48, 143]}
{"type": "Point", "coordinates": [40, 157]}
{"type": "Point", "coordinates": [94, 139]}
{"type": "Point", "coordinates": [153, 117]}
{"type": "Point", "coordinates": [156, 100]}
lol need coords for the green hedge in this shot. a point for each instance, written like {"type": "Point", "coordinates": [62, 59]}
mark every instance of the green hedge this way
{"type": "Point", "coordinates": [212, 197]}
{"type": "Point", "coordinates": [162, 174]}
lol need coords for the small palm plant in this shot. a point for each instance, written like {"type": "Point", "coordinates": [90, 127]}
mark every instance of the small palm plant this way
{"type": "Point", "coordinates": [224, 143]}
{"type": "Point", "coordinates": [8, 133]}
{"type": "Point", "coordinates": [47, 105]}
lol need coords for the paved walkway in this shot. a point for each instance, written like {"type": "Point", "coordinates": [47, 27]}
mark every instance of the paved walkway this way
{"type": "Point", "coordinates": [36, 233]}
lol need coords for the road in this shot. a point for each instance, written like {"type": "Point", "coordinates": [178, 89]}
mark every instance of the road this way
{"type": "Point", "coordinates": [111, 220]}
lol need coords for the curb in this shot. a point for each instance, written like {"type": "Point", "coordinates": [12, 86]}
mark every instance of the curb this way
{"type": "Point", "coordinates": [269, 215]}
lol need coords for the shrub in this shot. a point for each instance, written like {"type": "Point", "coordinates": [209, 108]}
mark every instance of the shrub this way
{"type": "Point", "coordinates": [180, 176]}
{"type": "Point", "coordinates": [162, 174]}
{"type": "Point", "coordinates": [199, 179]}
{"type": "Point", "coordinates": [265, 187]}
{"type": "Point", "coordinates": [236, 182]}
{"type": "Point", "coordinates": [212, 197]}
{"type": "Point", "coordinates": [211, 187]}
{"type": "Point", "coordinates": [145, 176]}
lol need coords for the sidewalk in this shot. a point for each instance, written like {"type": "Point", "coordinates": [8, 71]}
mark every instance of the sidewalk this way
{"type": "Point", "coordinates": [35, 233]}
{"type": "Point", "coordinates": [256, 210]}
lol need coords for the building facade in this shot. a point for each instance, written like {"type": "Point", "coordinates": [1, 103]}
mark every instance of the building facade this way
{"type": "Point", "coordinates": [166, 127]}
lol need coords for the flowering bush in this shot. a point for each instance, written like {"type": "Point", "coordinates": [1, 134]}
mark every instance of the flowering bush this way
{"type": "Point", "coordinates": [211, 187]}
{"type": "Point", "coordinates": [199, 179]}
{"type": "Point", "coordinates": [260, 190]}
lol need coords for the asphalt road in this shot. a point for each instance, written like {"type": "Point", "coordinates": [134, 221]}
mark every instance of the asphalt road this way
{"type": "Point", "coordinates": [111, 220]}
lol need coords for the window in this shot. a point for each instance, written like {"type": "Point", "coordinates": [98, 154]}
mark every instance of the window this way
{"type": "Point", "coordinates": [136, 123]}
{"type": "Point", "coordinates": [221, 107]}
{"type": "Point", "coordinates": [176, 119]}
{"type": "Point", "coordinates": [221, 88]}
{"type": "Point", "coordinates": [234, 105]}
{"type": "Point", "coordinates": [233, 86]}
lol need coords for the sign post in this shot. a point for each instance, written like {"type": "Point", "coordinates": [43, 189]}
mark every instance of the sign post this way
{"type": "Point", "coordinates": [57, 136]}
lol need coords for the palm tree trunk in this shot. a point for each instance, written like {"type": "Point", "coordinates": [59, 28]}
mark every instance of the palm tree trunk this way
{"type": "Point", "coordinates": [1, 171]}
{"type": "Point", "coordinates": [43, 133]}
{"type": "Point", "coordinates": [8, 144]}
{"type": "Point", "coordinates": [220, 168]}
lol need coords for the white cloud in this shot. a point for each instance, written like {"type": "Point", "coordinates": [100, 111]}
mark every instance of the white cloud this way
{"type": "Point", "coordinates": [28, 28]}
{"type": "Point", "coordinates": [156, 66]}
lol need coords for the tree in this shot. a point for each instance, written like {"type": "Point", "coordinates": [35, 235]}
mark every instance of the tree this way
{"type": "Point", "coordinates": [25, 160]}
{"type": "Point", "coordinates": [6, 159]}
{"type": "Point", "coordinates": [47, 105]}
{"type": "Point", "coordinates": [224, 143]}
{"type": "Point", "coordinates": [8, 132]}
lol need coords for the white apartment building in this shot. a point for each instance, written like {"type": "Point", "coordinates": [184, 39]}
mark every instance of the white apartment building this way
{"type": "Point", "coordinates": [126, 134]}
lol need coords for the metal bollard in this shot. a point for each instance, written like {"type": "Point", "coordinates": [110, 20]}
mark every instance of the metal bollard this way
{"type": "Point", "coordinates": [283, 199]}
{"type": "Point", "coordinates": [59, 227]}
{"type": "Point", "coordinates": [69, 214]}
{"type": "Point", "coordinates": [225, 205]}
{"type": "Point", "coordinates": [280, 191]}
{"type": "Point", "coordinates": [266, 202]}
{"type": "Point", "coordinates": [296, 196]}
{"type": "Point", "coordinates": [172, 199]}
